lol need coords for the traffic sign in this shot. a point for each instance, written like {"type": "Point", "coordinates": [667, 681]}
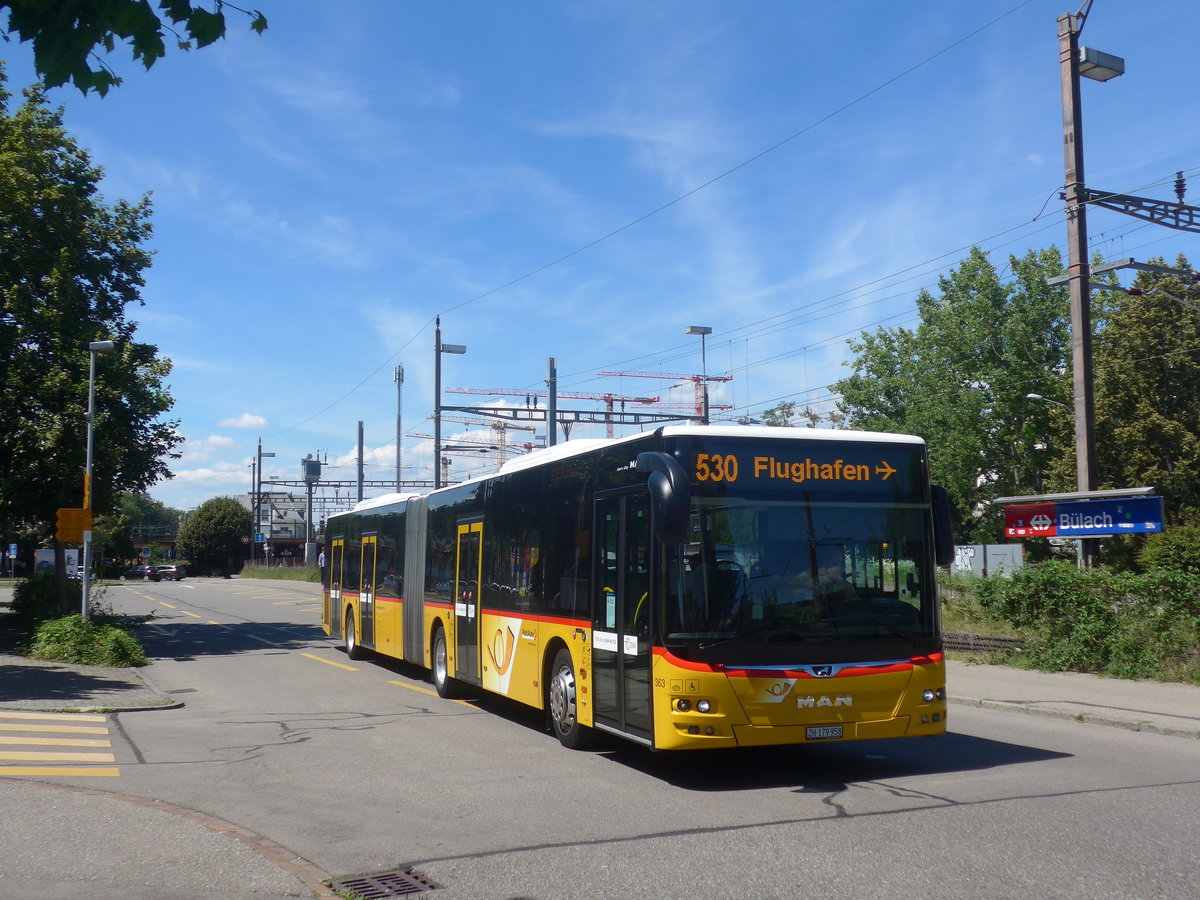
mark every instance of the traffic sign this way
{"type": "Point", "coordinates": [72, 523]}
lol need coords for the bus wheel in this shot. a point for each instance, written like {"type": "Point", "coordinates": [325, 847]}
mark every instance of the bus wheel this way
{"type": "Point", "coordinates": [563, 705]}
{"type": "Point", "coordinates": [353, 650]}
{"type": "Point", "coordinates": [442, 681]}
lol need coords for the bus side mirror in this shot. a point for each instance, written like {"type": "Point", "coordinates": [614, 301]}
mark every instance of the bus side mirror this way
{"type": "Point", "coordinates": [943, 531]}
{"type": "Point", "coordinates": [668, 486]}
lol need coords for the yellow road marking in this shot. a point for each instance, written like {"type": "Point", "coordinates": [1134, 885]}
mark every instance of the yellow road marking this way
{"type": "Point", "coordinates": [330, 662]}
{"type": "Point", "coordinates": [54, 755]}
{"type": "Point", "coordinates": [192, 614]}
{"type": "Point", "coordinates": [168, 605]}
{"type": "Point", "coordinates": [55, 742]}
{"type": "Point", "coordinates": [211, 622]}
{"type": "Point", "coordinates": [56, 729]}
{"type": "Point", "coordinates": [60, 771]}
{"type": "Point", "coordinates": [60, 717]}
{"type": "Point", "coordinates": [421, 690]}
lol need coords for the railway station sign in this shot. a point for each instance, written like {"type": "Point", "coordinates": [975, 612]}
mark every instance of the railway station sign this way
{"type": "Point", "coordinates": [1084, 518]}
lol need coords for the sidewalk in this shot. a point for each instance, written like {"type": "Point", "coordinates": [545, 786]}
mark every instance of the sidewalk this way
{"type": "Point", "coordinates": [1152, 706]}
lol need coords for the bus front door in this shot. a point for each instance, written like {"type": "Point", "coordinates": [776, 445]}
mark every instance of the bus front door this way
{"type": "Point", "coordinates": [366, 591]}
{"type": "Point", "coordinates": [622, 614]}
{"type": "Point", "coordinates": [467, 573]}
{"type": "Point", "coordinates": [337, 555]}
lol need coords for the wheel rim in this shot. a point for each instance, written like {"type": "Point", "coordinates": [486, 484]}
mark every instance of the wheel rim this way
{"type": "Point", "coordinates": [562, 698]}
{"type": "Point", "coordinates": [439, 660]}
{"type": "Point", "coordinates": [351, 641]}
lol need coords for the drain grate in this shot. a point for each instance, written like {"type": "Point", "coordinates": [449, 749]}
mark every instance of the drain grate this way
{"type": "Point", "coordinates": [385, 885]}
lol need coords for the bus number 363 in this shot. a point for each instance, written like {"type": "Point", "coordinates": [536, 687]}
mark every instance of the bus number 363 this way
{"type": "Point", "coordinates": [715, 467]}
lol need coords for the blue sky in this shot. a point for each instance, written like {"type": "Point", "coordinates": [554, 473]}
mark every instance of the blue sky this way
{"type": "Point", "coordinates": [584, 181]}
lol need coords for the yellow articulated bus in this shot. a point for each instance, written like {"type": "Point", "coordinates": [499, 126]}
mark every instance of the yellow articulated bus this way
{"type": "Point", "coordinates": [684, 588]}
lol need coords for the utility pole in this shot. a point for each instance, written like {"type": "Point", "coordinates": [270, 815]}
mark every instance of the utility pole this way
{"type": "Point", "coordinates": [551, 401]}
{"type": "Point", "coordinates": [399, 420]}
{"type": "Point", "coordinates": [360, 460]}
{"type": "Point", "coordinates": [1080, 292]}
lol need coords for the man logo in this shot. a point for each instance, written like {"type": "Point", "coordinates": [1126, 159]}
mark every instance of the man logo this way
{"type": "Point", "coordinates": [822, 671]}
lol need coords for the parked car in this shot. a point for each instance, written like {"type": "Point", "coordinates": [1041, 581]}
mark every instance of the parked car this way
{"type": "Point", "coordinates": [142, 573]}
{"type": "Point", "coordinates": [171, 573]}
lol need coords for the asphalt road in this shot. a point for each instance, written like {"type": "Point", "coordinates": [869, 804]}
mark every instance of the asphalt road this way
{"type": "Point", "coordinates": [359, 768]}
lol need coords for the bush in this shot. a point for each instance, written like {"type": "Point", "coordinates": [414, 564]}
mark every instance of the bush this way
{"type": "Point", "coordinates": [36, 599]}
{"type": "Point", "coordinates": [71, 639]}
{"type": "Point", "coordinates": [1177, 549]}
{"type": "Point", "coordinates": [1114, 623]}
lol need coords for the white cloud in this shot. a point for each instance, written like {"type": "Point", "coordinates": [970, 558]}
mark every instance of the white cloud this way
{"type": "Point", "coordinates": [245, 420]}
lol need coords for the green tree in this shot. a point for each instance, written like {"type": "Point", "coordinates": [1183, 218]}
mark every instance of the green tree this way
{"type": "Point", "coordinates": [960, 381]}
{"type": "Point", "coordinates": [67, 35]}
{"type": "Point", "coordinates": [211, 537]}
{"type": "Point", "coordinates": [1147, 388]}
{"type": "Point", "coordinates": [69, 267]}
{"type": "Point", "coordinates": [149, 517]}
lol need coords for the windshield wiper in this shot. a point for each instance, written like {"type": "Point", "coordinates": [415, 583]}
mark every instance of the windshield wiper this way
{"type": "Point", "coordinates": [765, 634]}
{"type": "Point", "coordinates": [893, 629]}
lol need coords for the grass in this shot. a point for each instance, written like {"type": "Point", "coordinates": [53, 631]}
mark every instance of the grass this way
{"type": "Point", "coordinates": [277, 573]}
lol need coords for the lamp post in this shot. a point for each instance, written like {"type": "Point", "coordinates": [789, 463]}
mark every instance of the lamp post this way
{"type": "Point", "coordinates": [93, 348]}
{"type": "Point", "coordinates": [258, 499]}
{"type": "Point", "coordinates": [438, 349]}
{"type": "Point", "coordinates": [704, 331]}
{"type": "Point", "coordinates": [1076, 61]}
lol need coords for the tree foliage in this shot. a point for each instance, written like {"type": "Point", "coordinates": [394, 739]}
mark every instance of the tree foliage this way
{"type": "Point", "coordinates": [1147, 373]}
{"type": "Point", "coordinates": [69, 267]}
{"type": "Point", "coordinates": [961, 381]}
{"type": "Point", "coordinates": [67, 35]}
{"type": "Point", "coordinates": [211, 537]}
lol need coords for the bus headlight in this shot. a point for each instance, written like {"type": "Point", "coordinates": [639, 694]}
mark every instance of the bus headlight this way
{"type": "Point", "coordinates": [683, 705]}
{"type": "Point", "coordinates": [929, 696]}
{"type": "Point", "coordinates": [703, 706]}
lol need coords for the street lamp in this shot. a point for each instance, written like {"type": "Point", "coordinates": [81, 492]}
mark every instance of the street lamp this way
{"type": "Point", "coordinates": [93, 348]}
{"type": "Point", "coordinates": [704, 331]}
{"type": "Point", "coordinates": [1074, 62]}
{"type": "Point", "coordinates": [1042, 399]}
{"type": "Point", "coordinates": [438, 349]}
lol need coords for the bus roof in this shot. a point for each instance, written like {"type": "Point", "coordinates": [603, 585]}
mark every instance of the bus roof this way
{"type": "Point", "coordinates": [579, 446]}
{"type": "Point", "coordinates": [379, 502]}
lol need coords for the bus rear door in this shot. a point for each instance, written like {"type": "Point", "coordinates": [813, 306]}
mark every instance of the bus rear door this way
{"type": "Point", "coordinates": [467, 573]}
{"type": "Point", "coordinates": [366, 592]}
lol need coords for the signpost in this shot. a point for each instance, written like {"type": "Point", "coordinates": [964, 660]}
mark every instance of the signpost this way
{"type": "Point", "coordinates": [1084, 518]}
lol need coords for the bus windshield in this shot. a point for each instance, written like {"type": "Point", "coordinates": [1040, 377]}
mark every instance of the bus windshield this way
{"type": "Point", "coordinates": [775, 581]}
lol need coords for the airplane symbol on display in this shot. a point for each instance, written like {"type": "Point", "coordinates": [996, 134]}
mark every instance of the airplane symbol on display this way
{"type": "Point", "coordinates": [885, 470]}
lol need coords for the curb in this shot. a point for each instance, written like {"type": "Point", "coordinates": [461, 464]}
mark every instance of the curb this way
{"type": "Point", "coordinates": [1045, 712]}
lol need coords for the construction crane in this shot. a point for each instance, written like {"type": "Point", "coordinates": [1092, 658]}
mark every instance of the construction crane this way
{"type": "Point", "coordinates": [531, 399]}
{"type": "Point", "coordinates": [501, 428]}
{"type": "Point", "coordinates": [697, 380]}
